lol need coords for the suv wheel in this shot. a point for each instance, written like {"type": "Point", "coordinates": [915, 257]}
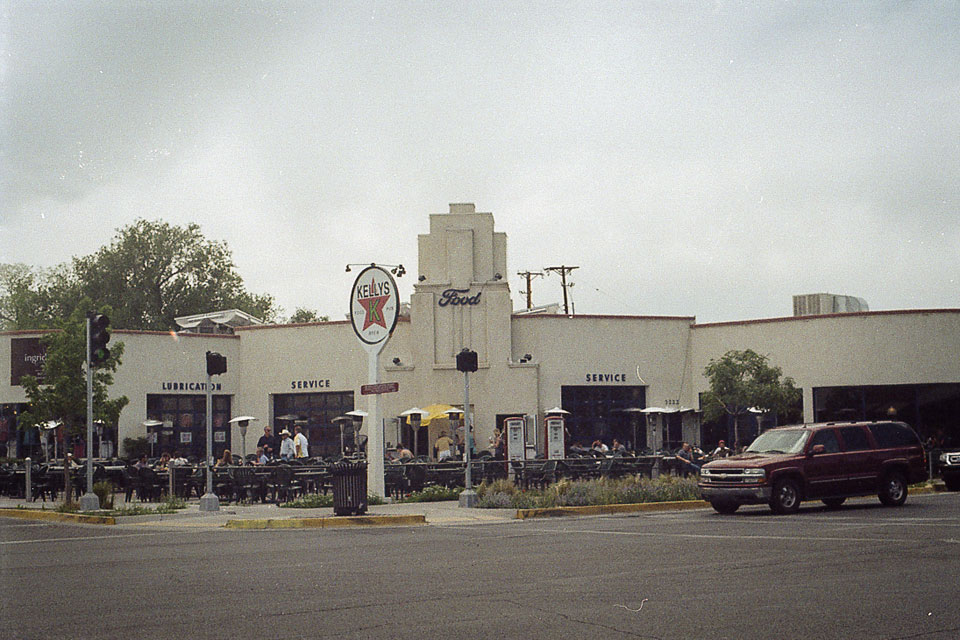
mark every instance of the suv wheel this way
{"type": "Point", "coordinates": [833, 503]}
{"type": "Point", "coordinates": [893, 489]}
{"type": "Point", "coordinates": [726, 508]}
{"type": "Point", "coordinates": [786, 496]}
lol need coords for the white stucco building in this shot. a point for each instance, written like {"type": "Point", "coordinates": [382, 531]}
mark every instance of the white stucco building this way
{"type": "Point", "coordinates": [853, 365]}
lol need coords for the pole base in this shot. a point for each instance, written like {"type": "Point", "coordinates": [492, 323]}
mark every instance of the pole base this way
{"type": "Point", "coordinates": [209, 502]}
{"type": "Point", "coordinates": [89, 502]}
{"type": "Point", "coordinates": [468, 499]}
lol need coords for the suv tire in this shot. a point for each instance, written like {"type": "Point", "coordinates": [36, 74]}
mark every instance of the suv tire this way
{"type": "Point", "coordinates": [726, 508]}
{"type": "Point", "coordinates": [833, 503]}
{"type": "Point", "coordinates": [893, 489]}
{"type": "Point", "coordinates": [786, 496]}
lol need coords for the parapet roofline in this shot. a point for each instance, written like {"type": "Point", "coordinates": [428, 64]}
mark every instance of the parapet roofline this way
{"type": "Point", "coordinates": [855, 314]}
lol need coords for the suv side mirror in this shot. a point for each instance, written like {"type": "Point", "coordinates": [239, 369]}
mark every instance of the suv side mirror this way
{"type": "Point", "coordinates": [818, 449]}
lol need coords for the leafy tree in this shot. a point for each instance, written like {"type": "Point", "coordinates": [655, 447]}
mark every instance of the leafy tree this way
{"type": "Point", "coordinates": [306, 315]}
{"type": "Point", "coordinates": [151, 273]}
{"type": "Point", "coordinates": [741, 380]}
{"type": "Point", "coordinates": [63, 394]}
{"type": "Point", "coordinates": [25, 302]}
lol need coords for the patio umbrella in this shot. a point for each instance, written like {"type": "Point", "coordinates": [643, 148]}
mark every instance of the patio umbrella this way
{"type": "Point", "coordinates": [148, 424]}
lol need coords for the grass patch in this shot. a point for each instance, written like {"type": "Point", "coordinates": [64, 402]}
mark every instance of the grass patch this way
{"type": "Point", "coordinates": [503, 494]}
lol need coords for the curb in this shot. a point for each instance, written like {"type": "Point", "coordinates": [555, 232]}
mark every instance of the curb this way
{"type": "Point", "coordinates": [77, 518]}
{"type": "Point", "coordinates": [331, 522]}
{"type": "Point", "coordinates": [608, 509]}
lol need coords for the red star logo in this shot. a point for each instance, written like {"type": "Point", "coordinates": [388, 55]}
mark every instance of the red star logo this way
{"type": "Point", "coordinates": [374, 307]}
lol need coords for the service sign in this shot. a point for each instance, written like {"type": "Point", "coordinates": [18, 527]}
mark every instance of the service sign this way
{"type": "Point", "coordinates": [374, 306]}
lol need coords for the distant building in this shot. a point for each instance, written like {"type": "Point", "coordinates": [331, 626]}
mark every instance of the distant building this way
{"type": "Point", "coordinates": [820, 304]}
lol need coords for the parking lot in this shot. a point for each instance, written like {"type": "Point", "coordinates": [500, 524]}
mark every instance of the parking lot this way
{"type": "Point", "coordinates": [863, 571]}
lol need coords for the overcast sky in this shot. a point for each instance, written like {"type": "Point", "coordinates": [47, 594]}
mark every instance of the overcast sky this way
{"type": "Point", "coordinates": [691, 158]}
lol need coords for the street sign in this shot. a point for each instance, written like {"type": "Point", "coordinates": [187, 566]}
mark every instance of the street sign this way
{"type": "Point", "coordinates": [382, 387]}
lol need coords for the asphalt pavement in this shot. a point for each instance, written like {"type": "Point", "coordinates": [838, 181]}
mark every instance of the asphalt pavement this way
{"type": "Point", "coordinates": [863, 571]}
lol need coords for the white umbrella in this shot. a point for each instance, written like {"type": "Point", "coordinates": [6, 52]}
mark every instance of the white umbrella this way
{"type": "Point", "coordinates": [243, 422]}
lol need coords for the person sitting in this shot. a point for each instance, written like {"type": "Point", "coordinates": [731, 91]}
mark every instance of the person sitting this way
{"type": "Point", "coordinates": [687, 462]}
{"type": "Point", "coordinates": [618, 447]}
{"type": "Point", "coordinates": [142, 462]}
{"type": "Point", "coordinates": [226, 460]}
{"type": "Point", "coordinates": [178, 460]}
{"type": "Point", "coordinates": [261, 456]}
{"type": "Point", "coordinates": [599, 446]}
{"type": "Point", "coordinates": [722, 450]}
{"type": "Point", "coordinates": [403, 453]}
{"type": "Point", "coordinates": [164, 462]}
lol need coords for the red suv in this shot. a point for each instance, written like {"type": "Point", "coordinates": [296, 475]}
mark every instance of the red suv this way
{"type": "Point", "coordinates": [828, 462]}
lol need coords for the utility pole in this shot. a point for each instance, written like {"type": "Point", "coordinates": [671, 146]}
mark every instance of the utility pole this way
{"type": "Point", "coordinates": [563, 271]}
{"type": "Point", "coordinates": [529, 276]}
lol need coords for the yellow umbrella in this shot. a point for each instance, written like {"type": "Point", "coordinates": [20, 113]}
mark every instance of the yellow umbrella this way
{"type": "Point", "coordinates": [435, 412]}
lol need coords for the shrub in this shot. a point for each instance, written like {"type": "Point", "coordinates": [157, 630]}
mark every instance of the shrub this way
{"type": "Point", "coordinates": [433, 493]}
{"type": "Point", "coordinates": [579, 493]}
{"type": "Point", "coordinates": [104, 492]}
{"type": "Point", "coordinates": [312, 501]}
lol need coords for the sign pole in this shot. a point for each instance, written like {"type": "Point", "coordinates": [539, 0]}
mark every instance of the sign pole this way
{"type": "Point", "coordinates": [375, 481]}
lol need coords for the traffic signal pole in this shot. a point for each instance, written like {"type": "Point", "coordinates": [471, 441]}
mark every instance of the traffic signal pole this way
{"type": "Point", "coordinates": [89, 500]}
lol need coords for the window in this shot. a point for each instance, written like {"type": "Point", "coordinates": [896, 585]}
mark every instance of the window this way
{"type": "Point", "coordinates": [187, 417]}
{"type": "Point", "coordinates": [828, 439]}
{"type": "Point", "coordinates": [889, 435]}
{"type": "Point", "coordinates": [854, 438]}
{"type": "Point", "coordinates": [315, 412]}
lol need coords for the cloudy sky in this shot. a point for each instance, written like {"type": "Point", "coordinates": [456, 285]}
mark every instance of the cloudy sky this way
{"type": "Point", "coordinates": [691, 158]}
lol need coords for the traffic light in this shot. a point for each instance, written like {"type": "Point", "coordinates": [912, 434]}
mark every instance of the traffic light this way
{"type": "Point", "coordinates": [467, 361]}
{"type": "Point", "coordinates": [99, 337]}
{"type": "Point", "coordinates": [216, 364]}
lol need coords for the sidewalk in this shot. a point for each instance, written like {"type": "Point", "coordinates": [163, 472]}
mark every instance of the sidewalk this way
{"type": "Point", "coordinates": [262, 516]}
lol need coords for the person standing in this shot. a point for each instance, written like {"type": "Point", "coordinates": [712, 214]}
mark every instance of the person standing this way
{"type": "Point", "coordinates": [269, 442]}
{"type": "Point", "coordinates": [300, 444]}
{"type": "Point", "coordinates": [287, 450]}
{"type": "Point", "coordinates": [442, 446]}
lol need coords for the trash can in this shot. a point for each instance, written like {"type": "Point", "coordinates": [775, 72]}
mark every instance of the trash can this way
{"type": "Point", "coordinates": [349, 488]}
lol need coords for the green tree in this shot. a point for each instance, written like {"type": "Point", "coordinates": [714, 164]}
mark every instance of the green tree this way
{"type": "Point", "coordinates": [63, 394]}
{"type": "Point", "coordinates": [151, 273]}
{"type": "Point", "coordinates": [742, 380]}
{"type": "Point", "coordinates": [306, 315]}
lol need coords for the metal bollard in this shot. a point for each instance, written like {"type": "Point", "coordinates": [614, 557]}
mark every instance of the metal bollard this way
{"type": "Point", "coordinates": [170, 470]}
{"type": "Point", "coordinates": [28, 487]}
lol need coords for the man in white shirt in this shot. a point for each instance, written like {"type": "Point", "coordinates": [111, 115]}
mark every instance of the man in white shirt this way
{"type": "Point", "coordinates": [300, 443]}
{"type": "Point", "coordinates": [287, 450]}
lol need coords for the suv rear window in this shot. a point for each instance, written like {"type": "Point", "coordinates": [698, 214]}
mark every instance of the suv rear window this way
{"type": "Point", "coordinates": [889, 435]}
{"type": "Point", "coordinates": [854, 438]}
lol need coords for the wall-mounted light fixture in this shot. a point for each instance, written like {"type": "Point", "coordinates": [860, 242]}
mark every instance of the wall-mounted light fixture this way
{"type": "Point", "coordinates": [396, 362]}
{"type": "Point", "coordinates": [422, 277]}
{"type": "Point", "coordinates": [497, 276]}
{"type": "Point", "coordinates": [526, 358]}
